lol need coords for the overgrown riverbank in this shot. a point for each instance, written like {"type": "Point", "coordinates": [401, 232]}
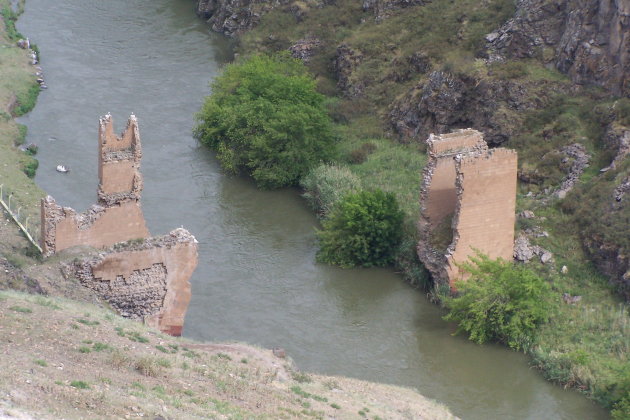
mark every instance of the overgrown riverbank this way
{"type": "Point", "coordinates": [18, 93]}
{"type": "Point", "coordinates": [395, 71]}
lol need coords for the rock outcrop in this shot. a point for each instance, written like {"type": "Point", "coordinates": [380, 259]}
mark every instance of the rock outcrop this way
{"type": "Point", "coordinates": [345, 63]}
{"type": "Point", "coordinates": [233, 17]}
{"type": "Point", "coordinates": [577, 160]}
{"type": "Point", "coordinates": [617, 138]}
{"type": "Point", "coordinates": [305, 49]}
{"type": "Point", "coordinates": [589, 40]}
{"type": "Point", "coordinates": [445, 102]}
{"type": "Point", "coordinates": [384, 8]}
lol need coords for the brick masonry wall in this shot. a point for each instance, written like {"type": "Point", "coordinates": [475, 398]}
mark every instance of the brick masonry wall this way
{"type": "Point", "coordinates": [142, 277]}
{"type": "Point", "coordinates": [477, 186]}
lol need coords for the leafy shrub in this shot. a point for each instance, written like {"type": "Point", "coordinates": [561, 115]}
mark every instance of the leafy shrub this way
{"type": "Point", "coordinates": [26, 100]}
{"type": "Point", "coordinates": [264, 117]}
{"type": "Point", "coordinates": [407, 262]}
{"type": "Point", "coordinates": [621, 411]}
{"type": "Point", "coordinates": [31, 167]}
{"type": "Point", "coordinates": [31, 149]}
{"type": "Point", "coordinates": [10, 17]}
{"type": "Point", "coordinates": [326, 185]}
{"type": "Point", "coordinates": [80, 385]}
{"type": "Point", "coordinates": [500, 301]}
{"type": "Point", "coordinates": [363, 229]}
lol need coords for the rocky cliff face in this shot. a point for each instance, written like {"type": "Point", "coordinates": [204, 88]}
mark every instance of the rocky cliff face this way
{"type": "Point", "coordinates": [589, 40]}
{"type": "Point", "coordinates": [233, 17]}
{"type": "Point", "coordinates": [383, 8]}
{"type": "Point", "coordinates": [447, 101]}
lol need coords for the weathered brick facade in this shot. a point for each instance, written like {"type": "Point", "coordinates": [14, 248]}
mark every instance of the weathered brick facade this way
{"type": "Point", "coordinates": [142, 277]}
{"type": "Point", "coordinates": [474, 188]}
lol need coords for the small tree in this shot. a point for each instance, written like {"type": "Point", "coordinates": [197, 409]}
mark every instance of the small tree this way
{"type": "Point", "coordinates": [264, 117]}
{"type": "Point", "coordinates": [363, 229]}
{"type": "Point", "coordinates": [500, 301]}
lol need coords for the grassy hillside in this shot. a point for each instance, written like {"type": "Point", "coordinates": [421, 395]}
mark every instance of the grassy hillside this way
{"type": "Point", "coordinates": [65, 359]}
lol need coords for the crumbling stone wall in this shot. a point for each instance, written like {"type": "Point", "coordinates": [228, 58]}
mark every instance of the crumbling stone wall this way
{"type": "Point", "coordinates": [141, 277]}
{"type": "Point", "coordinates": [117, 216]}
{"type": "Point", "coordinates": [473, 187]}
{"type": "Point", "coordinates": [146, 280]}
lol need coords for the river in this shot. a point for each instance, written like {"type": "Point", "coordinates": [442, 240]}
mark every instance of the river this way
{"type": "Point", "coordinates": [257, 281]}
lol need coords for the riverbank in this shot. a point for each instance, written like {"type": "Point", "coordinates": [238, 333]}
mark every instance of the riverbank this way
{"type": "Point", "coordinates": [17, 86]}
{"type": "Point", "coordinates": [389, 87]}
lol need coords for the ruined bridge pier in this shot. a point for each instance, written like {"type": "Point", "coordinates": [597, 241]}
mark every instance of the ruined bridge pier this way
{"type": "Point", "coordinates": [142, 277]}
{"type": "Point", "coordinates": [467, 203]}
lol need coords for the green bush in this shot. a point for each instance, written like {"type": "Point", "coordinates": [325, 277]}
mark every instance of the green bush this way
{"type": "Point", "coordinates": [26, 100]}
{"type": "Point", "coordinates": [10, 17]}
{"type": "Point", "coordinates": [264, 117]}
{"type": "Point", "coordinates": [363, 229]}
{"type": "Point", "coordinates": [31, 167]}
{"type": "Point", "coordinates": [500, 301]}
{"type": "Point", "coordinates": [21, 138]}
{"type": "Point", "coordinates": [326, 184]}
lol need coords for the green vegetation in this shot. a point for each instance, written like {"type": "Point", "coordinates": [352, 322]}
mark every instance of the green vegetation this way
{"type": "Point", "coordinates": [10, 17]}
{"type": "Point", "coordinates": [131, 335]}
{"type": "Point", "coordinates": [26, 100]}
{"type": "Point", "coordinates": [301, 377]}
{"type": "Point", "coordinates": [500, 301]}
{"type": "Point", "coordinates": [326, 184]}
{"type": "Point", "coordinates": [87, 322]}
{"type": "Point", "coordinates": [100, 346]}
{"type": "Point", "coordinates": [363, 229]}
{"type": "Point", "coordinates": [40, 362]}
{"type": "Point", "coordinates": [299, 391]}
{"type": "Point", "coordinates": [19, 89]}
{"type": "Point", "coordinates": [80, 385]}
{"type": "Point", "coordinates": [21, 309]}
{"type": "Point", "coordinates": [30, 167]}
{"type": "Point", "coordinates": [265, 118]}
